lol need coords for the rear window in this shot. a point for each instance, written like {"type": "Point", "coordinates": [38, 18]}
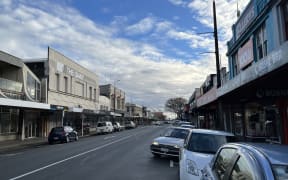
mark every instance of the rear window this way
{"type": "Point", "coordinates": [57, 129]}
{"type": "Point", "coordinates": [177, 133]}
{"type": "Point", "coordinates": [101, 124]}
{"type": "Point", "coordinates": [207, 143]}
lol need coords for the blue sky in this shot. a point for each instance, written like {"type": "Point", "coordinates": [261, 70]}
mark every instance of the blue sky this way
{"type": "Point", "coordinates": [151, 46]}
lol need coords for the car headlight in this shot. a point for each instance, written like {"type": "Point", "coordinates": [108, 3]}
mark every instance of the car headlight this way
{"type": "Point", "coordinates": [192, 167]}
{"type": "Point", "coordinates": [176, 146]}
{"type": "Point", "coordinates": [155, 143]}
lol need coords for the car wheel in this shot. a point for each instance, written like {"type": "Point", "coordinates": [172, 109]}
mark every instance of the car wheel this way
{"type": "Point", "coordinates": [76, 138]}
{"type": "Point", "coordinates": [67, 139]}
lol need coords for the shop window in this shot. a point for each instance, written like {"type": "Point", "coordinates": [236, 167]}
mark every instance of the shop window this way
{"type": "Point", "coordinates": [237, 117]}
{"type": "Point", "coordinates": [261, 42]}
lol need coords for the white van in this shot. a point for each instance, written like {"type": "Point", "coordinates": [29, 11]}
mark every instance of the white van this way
{"type": "Point", "coordinates": [104, 127]}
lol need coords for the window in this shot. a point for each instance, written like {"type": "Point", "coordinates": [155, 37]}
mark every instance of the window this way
{"type": "Point", "coordinates": [283, 19]}
{"type": "Point", "coordinates": [90, 93]}
{"type": "Point", "coordinates": [261, 42]}
{"type": "Point", "coordinates": [57, 82]}
{"type": "Point", "coordinates": [207, 143]}
{"type": "Point", "coordinates": [242, 170]}
{"type": "Point", "coordinates": [66, 84]}
{"type": "Point", "coordinates": [223, 161]}
{"type": "Point", "coordinates": [31, 86]}
{"type": "Point", "coordinates": [235, 65]}
{"type": "Point", "coordinates": [95, 95]}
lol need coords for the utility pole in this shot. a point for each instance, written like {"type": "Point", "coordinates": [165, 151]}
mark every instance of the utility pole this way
{"type": "Point", "coordinates": [219, 122]}
{"type": "Point", "coordinates": [216, 46]}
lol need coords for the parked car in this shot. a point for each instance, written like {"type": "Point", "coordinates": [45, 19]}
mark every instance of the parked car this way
{"type": "Point", "coordinates": [248, 161]}
{"type": "Point", "coordinates": [117, 126]}
{"type": "Point", "coordinates": [170, 143]}
{"type": "Point", "coordinates": [62, 134]}
{"type": "Point", "coordinates": [188, 126]}
{"type": "Point", "coordinates": [104, 127]}
{"type": "Point", "coordinates": [130, 125]}
{"type": "Point", "coordinates": [198, 150]}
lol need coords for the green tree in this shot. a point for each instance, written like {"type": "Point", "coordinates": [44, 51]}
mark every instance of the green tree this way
{"type": "Point", "coordinates": [176, 105]}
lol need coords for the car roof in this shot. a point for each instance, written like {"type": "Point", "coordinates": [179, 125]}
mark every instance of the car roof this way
{"type": "Point", "coordinates": [275, 153]}
{"type": "Point", "coordinates": [180, 128]}
{"type": "Point", "coordinates": [214, 132]}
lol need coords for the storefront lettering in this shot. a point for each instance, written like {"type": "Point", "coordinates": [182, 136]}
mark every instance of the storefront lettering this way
{"type": "Point", "coordinates": [260, 93]}
{"type": "Point", "coordinates": [74, 73]}
{"type": "Point", "coordinates": [245, 20]}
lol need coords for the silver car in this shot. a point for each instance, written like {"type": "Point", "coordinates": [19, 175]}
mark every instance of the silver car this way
{"type": "Point", "coordinates": [257, 161]}
{"type": "Point", "coordinates": [170, 143]}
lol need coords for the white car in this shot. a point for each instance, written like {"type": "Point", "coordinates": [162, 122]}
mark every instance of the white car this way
{"type": "Point", "coordinates": [104, 127]}
{"type": "Point", "coordinates": [199, 149]}
{"type": "Point", "coordinates": [170, 143]}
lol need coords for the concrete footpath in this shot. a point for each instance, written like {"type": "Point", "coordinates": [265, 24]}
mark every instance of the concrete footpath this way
{"type": "Point", "coordinates": [15, 145]}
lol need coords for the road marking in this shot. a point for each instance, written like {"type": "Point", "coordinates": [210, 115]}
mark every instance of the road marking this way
{"type": "Point", "coordinates": [109, 137]}
{"type": "Point", "coordinates": [72, 157]}
{"type": "Point", "coordinates": [171, 164]}
{"type": "Point", "coordinates": [9, 155]}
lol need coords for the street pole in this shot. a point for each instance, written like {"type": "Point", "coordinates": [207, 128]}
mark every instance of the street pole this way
{"type": "Point", "coordinates": [216, 46]}
{"type": "Point", "coordinates": [220, 123]}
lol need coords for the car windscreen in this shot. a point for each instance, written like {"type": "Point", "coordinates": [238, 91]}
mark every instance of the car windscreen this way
{"type": "Point", "coordinates": [177, 133]}
{"type": "Point", "coordinates": [280, 171]}
{"type": "Point", "coordinates": [101, 124]}
{"type": "Point", "coordinates": [207, 143]}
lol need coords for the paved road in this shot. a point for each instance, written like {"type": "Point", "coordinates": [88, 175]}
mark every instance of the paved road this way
{"type": "Point", "coordinates": [118, 156]}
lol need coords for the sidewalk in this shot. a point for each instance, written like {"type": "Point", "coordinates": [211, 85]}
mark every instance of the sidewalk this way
{"type": "Point", "coordinates": [14, 145]}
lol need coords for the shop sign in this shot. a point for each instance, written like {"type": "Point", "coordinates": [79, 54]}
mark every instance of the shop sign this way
{"type": "Point", "coordinates": [245, 20]}
{"type": "Point", "coordinates": [56, 107]}
{"type": "Point", "coordinates": [260, 93]}
{"type": "Point", "coordinates": [64, 68]}
{"type": "Point", "coordinates": [245, 54]}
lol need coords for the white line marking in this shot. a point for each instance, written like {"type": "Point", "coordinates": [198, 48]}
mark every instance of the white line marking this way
{"type": "Point", "coordinates": [72, 157]}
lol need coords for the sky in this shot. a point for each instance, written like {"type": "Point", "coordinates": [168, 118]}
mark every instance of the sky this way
{"type": "Point", "coordinates": [152, 49]}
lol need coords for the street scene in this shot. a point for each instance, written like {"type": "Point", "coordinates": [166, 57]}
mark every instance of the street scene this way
{"type": "Point", "coordinates": [144, 90]}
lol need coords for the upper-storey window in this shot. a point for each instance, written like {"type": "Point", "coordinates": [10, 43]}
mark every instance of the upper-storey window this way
{"type": "Point", "coordinates": [283, 19]}
{"type": "Point", "coordinates": [261, 42]}
{"type": "Point", "coordinates": [235, 65]}
{"type": "Point", "coordinates": [33, 87]}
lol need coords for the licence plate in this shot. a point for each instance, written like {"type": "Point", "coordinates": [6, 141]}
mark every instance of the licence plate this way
{"type": "Point", "coordinates": [55, 138]}
{"type": "Point", "coordinates": [164, 149]}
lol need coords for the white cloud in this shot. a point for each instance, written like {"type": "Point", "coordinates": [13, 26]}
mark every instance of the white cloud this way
{"type": "Point", "coordinates": [145, 74]}
{"type": "Point", "coordinates": [143, 26]}
{"type": "Point", "coordinates": [178, 2]}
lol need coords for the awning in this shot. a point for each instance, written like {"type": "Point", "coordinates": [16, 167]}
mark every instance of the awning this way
{"type": "Point", "coordinates": [23, 104]}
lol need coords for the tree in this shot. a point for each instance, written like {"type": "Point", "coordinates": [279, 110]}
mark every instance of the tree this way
{"type": "Point", "coordinates": [176, 105]}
